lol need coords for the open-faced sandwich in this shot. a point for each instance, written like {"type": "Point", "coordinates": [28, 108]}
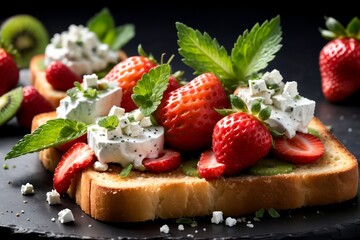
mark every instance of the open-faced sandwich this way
{"type": "Point", "coordinates": [231, 140]}
{"type": "Point", "coordinates": [76, 52]}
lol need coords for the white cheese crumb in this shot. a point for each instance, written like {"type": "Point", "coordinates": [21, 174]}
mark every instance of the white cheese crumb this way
{"type": "Point", "coordinates": [53, 219]}
{"type": "Point", "coordinates": [100, 167]}
{"type": "Point", "coordinates": [190, 236]}
{"type": "Point", "coordinates": [27, 189]}
{"type": "Point", "coordinates": [217, 217]}
{"type": "Point", "coordinates": [196, 231]}
{"type": "Point", "coordinates": [66, 216]}
{"type": "Point", "coordinates": [349, 129]}
{"type": "Point", "coordinates": [250, 225]}
{"type": "Point", "coordinates": [90, 81]}
{"type": "Point", "coordinates": [116, 111]}
{"type": "Point", "coordinates": [181, 227]}
{"type": "Point", "coordinates": [164, 229]}
{"type": "Point", "coordinates": [53, 197]}
{"type": "Point", "coordinates": [145, 122]}
{"type": "Point", "coordinates": [230, 221]}
{"type": "Point", "coordinates": [204, 229]}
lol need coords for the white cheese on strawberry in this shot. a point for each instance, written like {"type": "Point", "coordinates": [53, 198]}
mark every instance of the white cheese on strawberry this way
{"type": "Point", "coordinates": [80, 50]}
{"type": "Point", "coordinates": [130, 142]}
{"type": "Point", "coordinates": [290, 111]}
{"type": "Point", "coordinates": [87, 110]}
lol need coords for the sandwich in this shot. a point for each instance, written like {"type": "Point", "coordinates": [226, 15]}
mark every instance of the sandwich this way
{"type": "Point", "coordinates": [78, 51]}
{"type": "Point", "coordinates": [189, 151]}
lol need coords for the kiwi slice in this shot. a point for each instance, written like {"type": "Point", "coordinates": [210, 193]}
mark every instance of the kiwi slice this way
{"type": "Point", "coordinates": [189, 168]}
{"type": "Point", "coordinates": [27, 35]}
{"type": "Point", "coordinates": [10, 102]}
{"type": "Point", "coordinates": [271, 166]}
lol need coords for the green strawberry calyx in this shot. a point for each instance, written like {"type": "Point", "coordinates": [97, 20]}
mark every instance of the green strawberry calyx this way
{"type": "Point", "coordinates": [337, 30]}
{"type": "Point", "coordinates": [252, 52]}
{"type": "Point", "coordinates": [256, 110]}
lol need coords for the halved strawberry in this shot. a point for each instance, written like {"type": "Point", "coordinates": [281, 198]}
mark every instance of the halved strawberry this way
{"type": "Point", "coordinates": [76, 158]}
{"type": "Point", "coordinates": [66, 146]}
{"type": "Point", "coordinates": [60, 76]}
{"type": "Point", "coordinates": [208, 167]}
{"type": "Point", "coordinates": [303, 148]}
{"type": "Point", "coordinates": [168, 161]}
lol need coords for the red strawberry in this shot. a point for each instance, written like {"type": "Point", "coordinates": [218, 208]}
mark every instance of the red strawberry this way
{"type": "Point", "coordinates": [240, 140]}
{"type": "Point", "coordinates": [66, 146]}
{"type": "Point", "coordinates": [33, 104]}
{"type": "Point", "coordinates": [173, 84]}
{"type": "Point", "coordinates": [9, 72]}
{"type": "Point", "coordinates": [127, 73]}
{"type": "Point", "coordinates": [208, 167]}
{"type": "Point", "coordinates": [76, 158]}
{"type": "Point", "coordinates": [188, 113]}
{"type": "Point", "coordinates": [60, 77]}
{"type": "Point", "coordinates": [340, 62]}
{"type": "Point", "coordinates": [302, 148]}
{"type": "Point", "coordinates": [168, 161]}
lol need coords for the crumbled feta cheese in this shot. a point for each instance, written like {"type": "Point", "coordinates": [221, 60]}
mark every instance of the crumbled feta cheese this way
{"type": "Point", "coordinates": [164, 229]}
{"type": "Point", "coordinates": [217, 217]}
{"type": "Point", "coordinates": [137, 115]}
{"type": "Point", "coordinates": [27, 189]}
{"type": "Point", "coordinates": [145, 122]}
{"type": "Point", "coordinates": [113, 133]}
{"type": "Point", "coordinates": [229, 221]}
{"type": "Point", "coordinates": [100, 167]}
{"type": "Point", "coordinates": [291, 89]}
{"type": "Point", "coordinates": [257, 86]}
{"type": "Point", "coordinates": [250, 225]}
{"type": "Point", "coordinates": [181, 227]}
{"type": "Point", "coordinates": [116, 111]}
{"type": "Point", "coordinates": [53, 197]}
{"type": "Point", "coordinates": [90, 81]}
{"type": "Point", "coordinates": [124, 121]}
{"type": "Point", "coordinates": [273, 77]}
{"type": "Point", "coordinates": [66, 216]}
{"type": "Point", "coordinates": [133, 129]}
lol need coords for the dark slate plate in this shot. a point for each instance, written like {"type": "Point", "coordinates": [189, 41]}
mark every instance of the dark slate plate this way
{"type": "Point", "coordinates": [30, 216]}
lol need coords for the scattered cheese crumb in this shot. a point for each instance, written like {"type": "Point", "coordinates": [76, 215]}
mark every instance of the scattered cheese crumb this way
{"type": "Point", "coordinates": [22, 211]}
{"type": "Point", "coordinates": [53, 219]}
{"type": "Point", "coordinates": [27, 189]}
{"type": "Point", "coordinates": [250, 225]}
{"type": "Point", "coordinates": [190, 235]}
{"type": "Point", "coordinates": [217, 217]}
{"type": "Point", "coordinates": [204, 229]}
{"type": "Point", "coordinates": [230, 221]}
{"type": "Point", "coordinates": [66, 216]}
{"type": "Point", "coordinates": [164, 229]}
{"type": "Point", "coordinates": [181, 227]}
{"type": "Point", "coordinates": [100, 167]}
{"type": "Point", "coordinates": [196, 231]}
{"type": "Point", "coordinates": [53, 197]}
{"type": "Point", "coordinates": [349, 129]}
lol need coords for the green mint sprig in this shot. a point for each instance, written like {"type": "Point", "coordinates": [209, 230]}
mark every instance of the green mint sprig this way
{"type": "Point", "coordinates": [53, 133]}
{"type": "Point", "coordinates": [148, 92]}
{"type": "Point", "coordinates": [103, 25]}
{"type": "Point", "coordinates": [109, 122]}
{"type": "Point", "coordinates": [251, 53]}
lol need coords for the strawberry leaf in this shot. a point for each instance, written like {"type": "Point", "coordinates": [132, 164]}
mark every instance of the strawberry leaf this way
{"type": "Point", "coordinates": [353, 28]}
{"type": "Point", "coordinates": [203, 53]}
{"type": "Point", "coordinates": [149, 90]}
{"type": "Point", "coordinates": [255, 49]}
{"type": "Point", "coordinates": [52, 133]}
{"type": "Point", "coordinates": [335, 26]}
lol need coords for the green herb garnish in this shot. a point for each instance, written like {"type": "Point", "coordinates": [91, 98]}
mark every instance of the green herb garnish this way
{"type": "Point", "coordinates": [53, 133]}
{"type": "Point", "coordinates": [184, 220]}
{"type": "Point", "coordinates": [90, 93]}
{"type": "Point", "coordinates": [149, 90]}
{"type": "Point", "coordinates": [251, 53]}
{"type": "Point", "coordinates": [273, 213]}
{"type": "Point", "coordinates": [110, 122]}
{"type": "Point", "coordinates": [103, 25]}
{"type": "Point", "coordinates": [5, 166]}
{"type": "Point", "coordinates": [126, 171]}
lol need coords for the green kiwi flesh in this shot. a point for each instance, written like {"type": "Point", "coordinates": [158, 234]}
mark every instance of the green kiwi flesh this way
{"type": "Point", "coordinates": [10, 102]}
{"type": "Point", "coordinates": [27, 35]}
{"type": "Point", "coordinates": [270, 166]}
{"type": "Point", "coordinates": [189, 168]}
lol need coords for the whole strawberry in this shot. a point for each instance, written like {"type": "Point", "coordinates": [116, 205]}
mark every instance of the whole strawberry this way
{"type": "Point", "coordinates": [33, 103]}
{"type": "Point", "coordinates": [60, 77]}
{"type": "Point", "coordinates": [9, 72]}
{"type": "Point", "coordinates": [239, 140]}
{"type": "Point", "coordinates": [188, 113]}
{"type": "Point", "coordinates": [340, 60]}
{"type": "Point", "coordinates": [127, 73]}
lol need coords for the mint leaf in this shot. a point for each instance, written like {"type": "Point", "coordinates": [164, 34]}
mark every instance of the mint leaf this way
{"type": "Point", "coordinates": [110, 122]}
{"type": "Point", "coordinates": [203, 53]}
{"type": "Point", "coordinates": [123, 34]}
{"type": "Point", "coordinates": [72, 93]}
{"type": "Point", "coordinates": [126, 171]}
{"type": "Point", "coordinates": [54, 132]}
{"type": "Point", "coordinates": [90, 93]}
{"type": "Point", "coordinates": [148, 92]}
{"type": "Point", "coordinates": [273, 213]}
{"type": "Point", "coordinates": [101, 23]}
{"type": "Point", "coordinates": [255, 49]}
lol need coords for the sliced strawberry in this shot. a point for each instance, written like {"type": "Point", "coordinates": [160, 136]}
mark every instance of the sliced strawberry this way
{"type": "Point", "coordinates": [60, 77]}
{"type": "Point", "coordinates": [168, 161]}
{"type": "Point", "coordinates": [208, 167]}
{"type": "Point", "coordinates": [303, 148]}
{"type": "Point", "coordinates": [79, 156]}
{"type": "Point", "coordinates": [66, 146]}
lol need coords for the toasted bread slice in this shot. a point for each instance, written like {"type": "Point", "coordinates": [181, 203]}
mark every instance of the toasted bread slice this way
{"type": "Point", "coordinates": [145, 196]}
{"type": "Point", "coordinates": [38, 79]}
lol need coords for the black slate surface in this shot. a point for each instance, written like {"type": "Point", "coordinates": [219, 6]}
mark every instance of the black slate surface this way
{"type": "Point", "coordinates": [298, 61]}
